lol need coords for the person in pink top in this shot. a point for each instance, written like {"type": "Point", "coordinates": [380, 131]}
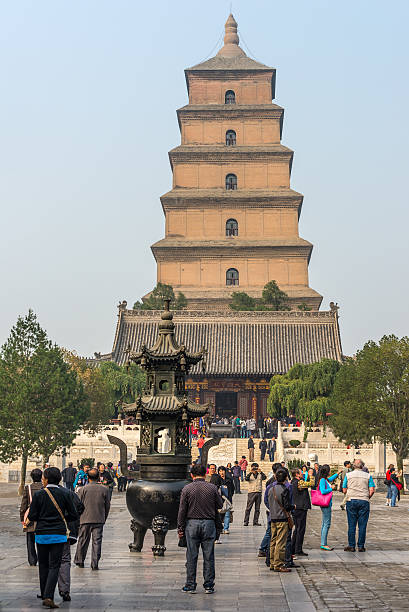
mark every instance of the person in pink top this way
{"type": "Point", "coordinates": [243, 463]}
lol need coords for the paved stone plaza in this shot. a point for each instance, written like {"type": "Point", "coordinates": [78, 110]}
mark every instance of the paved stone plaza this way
{"type": "Point", "coordinates": [375, 580]}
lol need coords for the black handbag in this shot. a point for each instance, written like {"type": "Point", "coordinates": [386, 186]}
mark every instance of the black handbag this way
{"type": "Point", "coordinates": [182, 542]}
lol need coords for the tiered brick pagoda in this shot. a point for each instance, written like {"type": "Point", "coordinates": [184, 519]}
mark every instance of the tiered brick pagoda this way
{"type": "Point", "coordinates": [232, 225]}
{"type": "Point", "coordinates": [231, 216]}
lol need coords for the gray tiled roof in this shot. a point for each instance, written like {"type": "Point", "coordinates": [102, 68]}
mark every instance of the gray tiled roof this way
{"type": "Point", "coordinates": [239, 344]}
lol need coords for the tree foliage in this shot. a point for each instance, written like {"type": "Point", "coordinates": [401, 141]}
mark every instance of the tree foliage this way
{"type": "Point", "coordinates": [42, 401]}
{"type": "Point", "coordinates": [156, 299]}
{"type": "Point", "coordinates": [272, 298]}
{"type": "Point", "coordinates": [371, 396]}
{"type": "Point", "coordinates": [303, 391]}
{"type": "Point", "coordinates": [126, 382]}
{"type": "Point", "coordinates": [98, 391]}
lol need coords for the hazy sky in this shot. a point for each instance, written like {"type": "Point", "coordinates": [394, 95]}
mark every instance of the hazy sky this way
{"type": "Point", "coordinates": [88, 96]}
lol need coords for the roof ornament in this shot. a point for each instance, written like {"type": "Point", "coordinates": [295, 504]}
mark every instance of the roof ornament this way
{"type": "Point", "coordinates": [122, 305]}
{"type": "Point", "coordinates": [333, 306]}
{"type": "Point", "coordinates": [231, 40]}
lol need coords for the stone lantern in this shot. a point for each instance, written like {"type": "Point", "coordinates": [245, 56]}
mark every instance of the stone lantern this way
{"type": "Point", "coordinates": [163, 414]}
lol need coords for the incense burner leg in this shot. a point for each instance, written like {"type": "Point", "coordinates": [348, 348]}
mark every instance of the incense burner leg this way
{"type": "Point", "coordinates": [160, 527]}
{"type": "Point", "coordinates": [138, 536]}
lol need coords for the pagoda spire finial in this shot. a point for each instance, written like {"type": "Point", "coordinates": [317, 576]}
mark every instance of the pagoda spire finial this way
{"type": "Point", "coordinates": [231, 40]}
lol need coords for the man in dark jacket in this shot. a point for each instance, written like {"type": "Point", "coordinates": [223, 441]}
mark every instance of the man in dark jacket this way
{"type": "Point", "coordinates": [279, 503]}
{"type": "Point", "coordinates": [236, 471]}
{"type": "Point", "coordinates": [250, 446]}
{"type": "Point", "coordinates": [96, 499]}
{"type": "Point", "coordinates": [68, 476]}
{"type": "Point", "coordinates": [271, 447]}
{"type": "Point", "coordinates": [46, 508]}
{"type": "Point", "coordinates": [302, 503]}
{"type": "Point", "coordinates": [29, 528]}
{"type": "Point", "coordinates": [198, 520]}
{"type": "Point", "coordinates": [263, 447]}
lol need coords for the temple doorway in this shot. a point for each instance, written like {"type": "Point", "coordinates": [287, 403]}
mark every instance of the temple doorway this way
{"type": "Point", "coordinates": [226, 403]}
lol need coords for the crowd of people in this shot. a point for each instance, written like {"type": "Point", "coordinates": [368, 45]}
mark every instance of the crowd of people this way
{"type": "Point", "coordinates": [57, 517]}
{"type": "Point", "coordinates": [207, 508]}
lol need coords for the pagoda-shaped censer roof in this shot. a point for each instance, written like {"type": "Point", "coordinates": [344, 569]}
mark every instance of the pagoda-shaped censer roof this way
{"type": "Point", "coordinates": [166, 364]}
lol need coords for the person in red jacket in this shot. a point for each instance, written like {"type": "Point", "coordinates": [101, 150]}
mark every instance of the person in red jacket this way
{"type": "Point", "coordinates": [243, 463]}
{"type": "Point", "coordinates": [200, 444]}
{"type": "Point", "coordinates": [388, 484]}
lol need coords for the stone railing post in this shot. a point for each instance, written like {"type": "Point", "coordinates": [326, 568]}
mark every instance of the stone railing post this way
{"type": "Point", "coordinates": [280, 443]}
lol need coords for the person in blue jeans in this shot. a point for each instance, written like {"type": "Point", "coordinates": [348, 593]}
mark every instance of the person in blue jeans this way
{"type": "Point", "coordinates": [394, 487]}
{"type": "Point", "coordinates": [359, 487]}
{"type": "Point", "coordinates": [324, 486]}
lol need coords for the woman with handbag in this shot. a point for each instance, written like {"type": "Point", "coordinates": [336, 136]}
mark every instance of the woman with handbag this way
{"type": "Point", "coordinates": [323, 497]}
{"type": "Point", "coordinates": [395, 486]}
{"type": "Point", "coordinates": [28, 527]}
{"type": "Point", "coordinates": [52, 508]}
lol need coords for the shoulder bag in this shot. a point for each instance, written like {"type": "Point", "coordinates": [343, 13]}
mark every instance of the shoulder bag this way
{"type": "Point", "coordinates": [320, 499]}
{"type": "Point", "coordinates": [58, 510]}
{"type": "Point", "coordinates": [227, 505]}
{"type": "Point", "coordinates": [26, 522]}
{"type": "Point", "coordinates": [288, 514]}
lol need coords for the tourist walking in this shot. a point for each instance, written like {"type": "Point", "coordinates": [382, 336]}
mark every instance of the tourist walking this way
{"type": "Point", "coordinates": [200, 443]}
{"type": "Point", "coordinates": [236, 473]}
{"type": "Point", "coordinates": [271, 448]}
{"type": "Point", "coordinates": [28, 526]}
{"type": "Point", "coordinates": [263, 448]}
{"type": "Point", "coordinates": [81, 478]}
{"type": "Point", "coordinates": [323, 483]}
{"type": "Point", "coordinates": [255, 486]}
{"type": "Point", "coordinates": [105, 478]}
{"type": "Point", "coordinates": [280, 506]}
{"type": "Point", "coordinates": [68, 476]}
{"type": "Point", "coordinates": [51, 508]}
{"type": "Point", "coordinates": [199, 521]}
{"type": "Point", "coordinates": [360, 487]}
{"type": "Point", "coordinates": [388, 484]}
{"type": "Point", "coordinates": [243, 463]}
{"type": "Point", "coordinates": [96, 500]}
{"type": "Point", "coordinates": [250, 446]}
{"type": "Point", "coordinates": [243, 427]}
{"type": "Point", "coordinates": [302, 503]}
{"type": "Point", "coordinates": [64, 575]}
{"type": "Point", "coordinates": [226, 490]}
{"type": "Point", "coordinates": [395, 486]}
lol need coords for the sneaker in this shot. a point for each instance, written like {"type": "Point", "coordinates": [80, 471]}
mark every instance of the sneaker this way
{"type": "Point", "coordinates": [387, 503]}
{"type": "Point", "coordinates": [187, 589]}
{"type": "Point", "coordinates": [219, 541]}
{"type": "Point", "coordinates": [226, 531]}
{"type": "Point", "coordinates": [326, 548]}
{"type": "Point", "coordinates": [209, 591]}
{"type": "Point", "coordinates": [262, 553]}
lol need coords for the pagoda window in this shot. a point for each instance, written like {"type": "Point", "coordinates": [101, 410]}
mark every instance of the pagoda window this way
{"type": "Point", "coordinates": [230, 138]}
{"type": "Point", "coordinates": [232, 227]}
{"type": "Point", "coordinates": [230, 97]}
{"type": "Point", "coordinates": [231, 181]}
{"type": "Point", "coordinates": [232, 277]}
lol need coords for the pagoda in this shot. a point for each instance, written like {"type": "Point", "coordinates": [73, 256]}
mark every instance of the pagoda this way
{"type": "Point", "coordinates": [232, 225]}
{"type": "Point", "coordinates": [231, 216]}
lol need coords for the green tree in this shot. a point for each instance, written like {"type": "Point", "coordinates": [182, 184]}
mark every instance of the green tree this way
{"type": "Point", "coordinates": [157, 297]}
{"type": "Point", "coordinates": [303, 391]}
{"type": "Point", "coordinates": [98, 390]}
{"type": "Point", "coordinates": [242, 301]}
{"type": "Point", "coordinates": [303, 306]}
{"type": "Point", "coordinates": [42, 402]}
{"type": "Point", "coordinates": [272, 299]}
{"type": "Point", "coordinates": [126, 382]}
{"type": "Point", "coordinates": [371, 396]}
